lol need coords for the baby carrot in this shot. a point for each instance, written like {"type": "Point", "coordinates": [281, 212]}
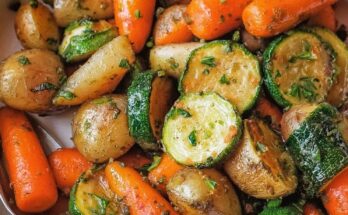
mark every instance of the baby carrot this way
{"type": "Point", "coordinates": [324, 18]}
{"type": "Point", "coordinates": [28, 168]}
{"type": "Point", "coordinates": [140, 197]}
{"type": "Point", "coordinates": [134, 19]}
{"type": "Point", "coordinates": [171, 26]}
{"type": "Point", "coordinates": [165, 170]}
{"type": "Point", "coordinates": [210, 19]}
{"type": "Point", "coordinates": [266, 18]}
{"type": "Point", "coordinates": [67, 165]}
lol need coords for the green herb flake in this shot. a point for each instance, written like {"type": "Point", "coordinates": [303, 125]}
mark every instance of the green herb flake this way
{"type": "Point", "coordinates": [277, 74]}
{"type": "Point", "coordinates": [181, 112]}
{"type": "Point", "coordinates": [161, 73]}
{"type": "Point", "coordinates": [210, 183]}
{"type": "Point", "coordinates": [101, 204]}
{"type": "Point", "coordinates": [101, 100]}
{"type": "Point", "coordinates": [305, 55]}
{"type": "Point", "coordinates": [51, 41]}
{"type": "Point", "coordinates": [66, 94]}
{"type": "Point", "coordinates": [137, 14]}
{"type": "Point", "coordinates": [209, 61]}
{"type": "Point", "coordinates": [87, 125]}
{"type": "Point", "coordinates": [44, 86]}
{"type": "Point", "coordinates": [23, 60]}
{"type": "Point", "coordinates": [224, 80]}
{"type": "Point", "coordinates": [304, 89]}
{"type": "Point", "coordinates": [173, 63]}
{"type": "Point", "coordinates": [150, 43]}
{"type": "Point", "coordinates": [156, 161]}
{"type": "Point", "coordinates": [206, 71]}
{"type": "Point", "coordinates": [236, 36]}
{"type": "Point", "coordinates": [124, 63]}
{"type": "Point", "coordinates": [192, 138]}
{"type": "Point", "coordinates": [33, 3]}
{"type": "Point", "coordinates": [261, 147]}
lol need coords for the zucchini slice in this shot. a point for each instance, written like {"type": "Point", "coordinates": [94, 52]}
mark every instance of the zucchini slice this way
{"type": "Point", "coordinates": [149, 99]}
{"type": "Point", "coordinates": [338, 94]}
{"type": "Point", "coordinates": [82, 38]}
{"type": "Point", "coordinates": [314, 141]}
{"type": "Point", "coordinates": [91, 195]}
{"type": "Point", "coordinates": [260, 166]}
{"type": "Point", "coordinates": [299, 68]}
{"type": "Point", "coordinates": [226, 68]}
{"type": "Point", "coordinates": [201, 129]}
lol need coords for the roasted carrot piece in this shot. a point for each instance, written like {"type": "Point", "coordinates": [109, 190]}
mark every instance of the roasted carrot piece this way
{"type": "Point", "coordinates": [140, 197]}
{"type": "Point", "coordinates": [67, 165]}
{"type": "Point", "coordinates": [171, 26]}
{"type": "Point", "coordinates": [210, 19]}
{"type": "Point", "coordinates": [165, 170]}
{"type": "Point", "coordinates": [311, 209]}
{"type": "Point", "coordinates": [134, 19]}
{"type": "Point", "coordinates": [265, 109]}
{"type": "Point", "coordinates": [135, 158]}
{"type": "Point", "coordinates": [28, 169]}
{"type": "Point", "coordinates": [335, 194]}
{"type": "Point", "coordinates": [266, 18]}
{"type": "Point", "coordinates": [324, 18]}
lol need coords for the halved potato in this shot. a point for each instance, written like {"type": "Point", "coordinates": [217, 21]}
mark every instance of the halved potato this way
{"type": "Point", "coordinates": [66, 11]}
{"type": "Point", "coordinates": [206, 191]}
{"type": "Point", "coordinates": [36, 28]}
{"type": "Point", "coordinates": [30, 78]}
{"type": "Point", "coordinates": [260, 166]}
{"type": "Point", "coordinates": [99, 75]}
{"type": "Point", "coordinates": [100, 128]}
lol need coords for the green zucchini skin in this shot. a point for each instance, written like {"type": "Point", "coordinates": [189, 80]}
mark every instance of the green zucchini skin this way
{"type": "Point", "coordinates": [87, 37]}
{"type": "Point", "coordinates": [73, 210]}
{"type": "Point", "coordinates": [184, 118]}
{"type": "Point", "coordinates": [318, 148]}
{"type": "Point", "coordinates": [269, 77]}
{"type": "Point", "coordinates": [138, 110]}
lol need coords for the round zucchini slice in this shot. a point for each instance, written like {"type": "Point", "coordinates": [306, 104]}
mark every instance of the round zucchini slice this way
{"type": "Point", "coordinates": [299, 68]}
{"type": "Point", "coordinates": [226, 68]}
{"type": "Point", "coordinates": [91, 195]}
{"type": "Point", "coordinates": [316, 144]}
{"type": "Point", "coordinates": [201, 129]}
{"type": "Point", "coordinates": [149, 99]}
{"type": "Point", "coordinates": [260, 166]}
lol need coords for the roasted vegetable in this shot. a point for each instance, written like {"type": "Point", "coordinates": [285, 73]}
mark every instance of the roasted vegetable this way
{"type": "Point", "coordinates": [149, 99]}
{"type": "Point", "coordinates": [172, 58]}
{"type": "Point", "coordinates": [226, 68]}
{"type": "Point", "coordinates": [99, 75]}
{"type": "Point", "coordinates": [299, 68]}
{"type": "Point", "coordinates": [314, 141]}
{"type": "Point", "coordinates": [82, 38]}
{"type": "Point", "coordinates": [274, 207]}
{"type": "Point", "coordinates": [100, 128]}
{"type": "Point", "coordinates": [201, 129]}
{"type": "Point", "coordinates": [36, 28]}
{"type": "Point", "coordinates": [206, 191]}
{"type": "Point", "coordinates": [29, 79]}
{"type": "Point", "coordinates": [260, 166]}
{"type": "Point", "coordinates": [67, 11]}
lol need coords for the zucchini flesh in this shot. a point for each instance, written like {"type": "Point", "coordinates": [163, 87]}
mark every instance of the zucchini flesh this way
{"type": "Point", "coordinates": [91, 195]}
{"type": "Point", "coordinates": [338, 94]}
{"type": "Point", "coordinates": [149, 99]}
{"type": "Point", "coordinates": [299, 68]}
{"type": "Point", "coordinates": [318, 148]}
{"type": "Point", "coordinates": [225, 68]}
{"type": "Point", "coordinates": [201, 129]}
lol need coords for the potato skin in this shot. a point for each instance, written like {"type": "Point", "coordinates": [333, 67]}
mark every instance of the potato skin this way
{"type": "Point", "coordinates": [100, 128]}
{"type": "Point", "coordinates": [66, 11]}
{"type": "Point", "coordinates": [190, 192]}
{"type": "Point", "coordinates": [19, 83]}
{"type": "Point", "coordinates": [36, 27]}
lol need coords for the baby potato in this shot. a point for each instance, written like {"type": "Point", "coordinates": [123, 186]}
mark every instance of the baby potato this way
{"type": "Point", "coordinates": [66, 11]}
{"type": "Point", "coordinates": [205, 191]}
{"type": "Point", "coordinates": [30, 78]}
{"type": "Point", "coordinates": [36, 27]}
{"type": "Point", "coordinates": [100, 128]}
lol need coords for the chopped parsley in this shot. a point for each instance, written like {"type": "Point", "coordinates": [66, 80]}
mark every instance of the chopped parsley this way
{"type": "Point", "coordinates": [66, 94]}
{"type": "Point", "coordinates": [44, 86]}
{"type": "Point", "coordinates": [156, 161]}
{"type": "Point", "coordinates": [124, 64]}
{"type": "Point", "coordinates": [211, 183]}
{"type": "Point", "coordinates": [261, 147]}
{"type": "Point", "coordinates": [305, 55]}
{"type": "Point", "coordinates": [101, 204]}
{"type": "Point", "coordinates": [102, 100]}
{"type": "Point", "coordinates": [181, 112]}
{"type": "Point", "coordinates": [209, 61]}
{"type": "Point", "coordinates": [33, 3]}
{"type": "Point", "coordinates": [23, 60]}
{"type": "Point", "coordinates": [137, 14]}
{"type": "Point", "coordinates": [224, 80]}
{"type": "Point", "coordinates": [277, 74]}
{"type": "Point", "coordinates": [192, 138]}
{"type": "Point", "coordinates": [304, 89]}
{"type": "Point", "coordinates": [173, 63]}
{"type": "Point", "coordinates": [206, 71]}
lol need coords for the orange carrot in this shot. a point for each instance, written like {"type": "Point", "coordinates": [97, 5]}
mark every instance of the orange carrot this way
{"type": "Point", "coordinates": [160, 175]}
{"type": "Point", "coordinates": [265, 109]}
{"type": "Point", "coordinates": [27, 165]}
{"type": "Point", "coordinates": [266, 18]}
{"type": "Point", "coordinates": [134, 158]}
{"type": "Point", "coordinates": [335, 194]}
{"type": "Point", "coordinates": [67, 165]}
{"type": "Point", "coordinates": [171, 26]}
{"type": "Point", "coordinates": [324, 18]}
{"type": "Point", "coordinates": [210, 19]}
{"type": "Point", "coordinates": [134, 19]}
{"type": "Point", "coordinates": [140, 197]}
{"type": "Point", "coordinates": [311, 209]}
